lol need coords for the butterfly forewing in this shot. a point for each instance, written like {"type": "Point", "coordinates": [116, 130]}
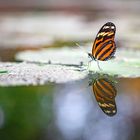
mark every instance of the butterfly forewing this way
{"type": "Point", "coordinates": [104, 46]}
{"type": "Point", "coordinates": [105, 93]}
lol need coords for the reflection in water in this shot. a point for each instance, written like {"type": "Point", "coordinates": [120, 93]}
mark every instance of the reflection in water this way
{"type": "Point", "coordinates": [105, 93]}
{"type": "Point", "coordinates": [66, 112]}
{"type": "Point", "coordinates": [77, 116]}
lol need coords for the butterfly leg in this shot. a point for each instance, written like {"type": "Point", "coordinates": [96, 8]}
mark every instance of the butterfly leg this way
{"type": "Point", "coordinates": [89, 64]}
{"type": "Point", "coordinates": [98, 65]}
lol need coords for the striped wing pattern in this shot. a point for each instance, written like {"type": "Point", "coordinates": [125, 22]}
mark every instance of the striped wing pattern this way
{"type": "Point", "coordinates": [105, 94]}
{"type": "Point", "coordinates": [104, 46]}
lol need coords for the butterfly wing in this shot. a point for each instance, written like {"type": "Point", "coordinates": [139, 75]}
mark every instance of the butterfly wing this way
{"type": "Point", "coordinates": [105, 94]}
{"type": "Point", "coordinates": [104, 46]}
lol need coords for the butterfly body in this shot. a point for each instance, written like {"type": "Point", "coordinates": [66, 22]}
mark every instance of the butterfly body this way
{"type": "Point", "coordinates": [104, 46]}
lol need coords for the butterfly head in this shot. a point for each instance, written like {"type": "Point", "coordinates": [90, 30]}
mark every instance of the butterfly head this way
{"type": "Point", "coordinates": [91, 56]}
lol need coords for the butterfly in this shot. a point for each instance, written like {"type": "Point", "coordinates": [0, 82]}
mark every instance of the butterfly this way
{"type": "Point", "coordinates": [105, 93]}
{"type": "Point", "coordinates": [104, 46]}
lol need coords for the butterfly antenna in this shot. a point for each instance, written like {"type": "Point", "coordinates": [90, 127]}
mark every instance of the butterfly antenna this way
{"type": "Point", "coordinates": [98, 65]}
{"type": "Point", "coordinates": [89, 63]}
{"type": "Point", "coordinates": [81, 48]}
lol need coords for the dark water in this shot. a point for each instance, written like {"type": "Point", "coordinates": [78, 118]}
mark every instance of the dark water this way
{"type": "Point", "coordinates": [69, 112]}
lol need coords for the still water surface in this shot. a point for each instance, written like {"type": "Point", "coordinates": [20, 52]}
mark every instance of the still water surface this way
{"type": "Point", "coordinates": [69, 112]}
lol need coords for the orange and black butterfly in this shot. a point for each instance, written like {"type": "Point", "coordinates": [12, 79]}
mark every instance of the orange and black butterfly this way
{"type": "Point", "coordinates": [104, 46]}
{"type": "Point", "coordinates": [105, 93]}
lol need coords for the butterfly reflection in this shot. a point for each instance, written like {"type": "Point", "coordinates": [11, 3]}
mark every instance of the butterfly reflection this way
{"type": "Point", "coordinates": [105, 92]}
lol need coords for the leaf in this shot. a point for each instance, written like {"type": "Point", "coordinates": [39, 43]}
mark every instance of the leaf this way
{"type": "Point", "coordinates": [34, 74]}
{"type": "Point", "coordinates": [125, 64]}
{"type": "Point", "coordinates": [120, 68]}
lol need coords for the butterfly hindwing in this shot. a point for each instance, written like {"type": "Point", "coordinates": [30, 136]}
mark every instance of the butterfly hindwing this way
{"type": "Point", "coordinates": [104, 46]}
{"type": "Point", "coordinates": [105, 93]}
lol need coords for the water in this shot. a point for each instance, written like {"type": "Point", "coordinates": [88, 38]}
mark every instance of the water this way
{"type": "Point", "coordinates": [68, 112]}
